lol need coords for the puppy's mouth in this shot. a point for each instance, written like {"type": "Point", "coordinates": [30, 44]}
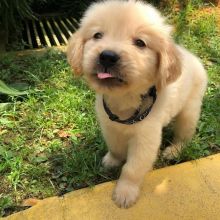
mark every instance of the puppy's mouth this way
{"type": "Point", "coordinates": [109, 79]}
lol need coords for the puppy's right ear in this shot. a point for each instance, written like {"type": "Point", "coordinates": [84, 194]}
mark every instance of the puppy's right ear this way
{"type": "Point", "coordinates": [75, 52]}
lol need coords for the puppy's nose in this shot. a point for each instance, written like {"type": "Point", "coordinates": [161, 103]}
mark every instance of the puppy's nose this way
{"type": "Point", "coordinates": [108, 58]}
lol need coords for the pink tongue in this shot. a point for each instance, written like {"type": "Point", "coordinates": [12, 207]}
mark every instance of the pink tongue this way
{"type": "Point", "coordinates": [104, 75]}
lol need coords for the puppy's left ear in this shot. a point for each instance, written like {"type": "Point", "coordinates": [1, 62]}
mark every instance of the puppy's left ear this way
{"type": "Point", "coordinates": [169, 63]}
{"type": "Point", "coordinates": [75, 52]}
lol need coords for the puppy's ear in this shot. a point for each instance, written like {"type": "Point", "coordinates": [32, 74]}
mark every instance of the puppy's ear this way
{"type": "Point", "coordinates": [75, 52]}
{"type": "Point", "coordinates": [169, 64]}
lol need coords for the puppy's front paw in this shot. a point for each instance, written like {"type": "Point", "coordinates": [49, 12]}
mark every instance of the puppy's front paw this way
{"type": "Point", "coordinates": [109, 161]}
{"type": "Point", "coordinates": [172, 152]}
{"type": "Point", "coordinates": [125, 194]}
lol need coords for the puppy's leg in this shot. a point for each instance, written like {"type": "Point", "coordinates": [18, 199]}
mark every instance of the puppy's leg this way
{"type": "Point", "coordinates": [117, 146]}
{"type": "Point", "coordinates": [110, 161]}
{"type": "Point", "coordinates": [142, 153]}
{"type": "Point", "coordinates": [184, 127]}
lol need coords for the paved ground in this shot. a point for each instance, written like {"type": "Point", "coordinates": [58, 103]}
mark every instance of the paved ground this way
{"type": "Point", "coordinates": [186, 191]}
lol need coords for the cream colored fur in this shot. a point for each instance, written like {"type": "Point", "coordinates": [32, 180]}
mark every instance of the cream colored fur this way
{"type": "Point", "coordinates": [178, 75]}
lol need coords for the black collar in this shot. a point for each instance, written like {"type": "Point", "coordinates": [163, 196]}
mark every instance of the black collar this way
{"type": "Point", "coordinates": [137, 116]}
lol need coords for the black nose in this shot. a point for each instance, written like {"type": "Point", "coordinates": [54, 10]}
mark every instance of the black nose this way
{"type": "Point", "coordinates": [108, 58]}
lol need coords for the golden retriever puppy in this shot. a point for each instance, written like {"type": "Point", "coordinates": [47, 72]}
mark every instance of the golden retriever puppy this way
{"type": "Point", "coordinates": [143, 80]}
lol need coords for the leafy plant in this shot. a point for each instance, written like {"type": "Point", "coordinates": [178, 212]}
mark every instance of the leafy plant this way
{"type": "Point", "coordinates": [9, 90]}
{"type": "Point", "coordinates": [11, 14]}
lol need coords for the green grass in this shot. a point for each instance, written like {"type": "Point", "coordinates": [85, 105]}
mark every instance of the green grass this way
{"type": "Point", "coordinates": [50, 142]}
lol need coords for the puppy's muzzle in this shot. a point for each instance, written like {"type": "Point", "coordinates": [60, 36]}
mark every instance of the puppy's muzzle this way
{"type": "Point", "coordinates": [108, 58]}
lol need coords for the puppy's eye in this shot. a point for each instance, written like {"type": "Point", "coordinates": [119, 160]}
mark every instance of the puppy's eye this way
{"type": "Point", "coordinates": [98, 35]}
{"type": "Point", "coordinates": [139, 43]}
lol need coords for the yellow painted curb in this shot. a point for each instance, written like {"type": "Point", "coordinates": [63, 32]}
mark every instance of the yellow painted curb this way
{"type": "Point", "coordinates": [186, 191]}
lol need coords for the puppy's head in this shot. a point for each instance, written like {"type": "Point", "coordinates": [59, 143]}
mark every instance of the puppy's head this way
{"type": "Point", "coordinates": [122, 46]}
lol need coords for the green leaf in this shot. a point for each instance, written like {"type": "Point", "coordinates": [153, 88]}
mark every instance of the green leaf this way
{"type": "Point", "coordinates": [4, 121]}
{"type": "Point", "coordinates": [4, 106]}
{"type": "Point", "coordinates": [40, 159]}
{"type": "Point", "coordinates": [10, 91]}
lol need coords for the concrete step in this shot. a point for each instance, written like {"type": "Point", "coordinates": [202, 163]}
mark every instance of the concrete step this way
{"type": "Point", "coordinates": [189, 190]}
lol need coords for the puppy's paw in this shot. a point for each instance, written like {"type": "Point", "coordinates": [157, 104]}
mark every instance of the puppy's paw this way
{"type": "Point", "coordinates": [109, 161]}
{"type": "Point", "coordinates": [125, 194]}
{"type": "Point", "coordinates": [172, 152]}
